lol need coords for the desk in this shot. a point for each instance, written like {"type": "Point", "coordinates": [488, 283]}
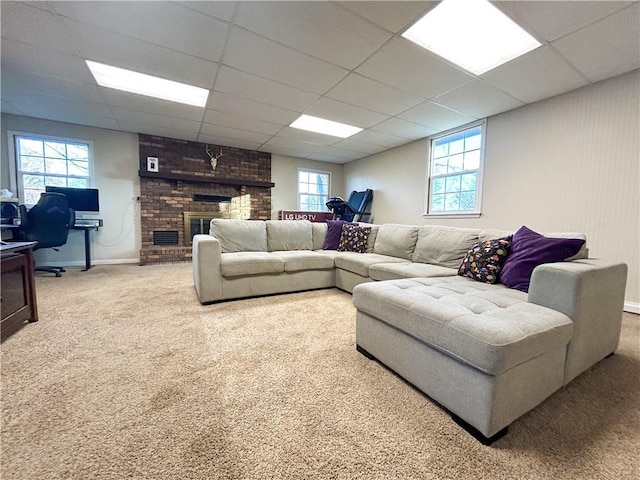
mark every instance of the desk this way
{"type": "Point", "coordinates": [87, 244]}
{"type": "Point", "coordinates": [18, 301]}
{"type": "Point", "coordinates": [86, 228]}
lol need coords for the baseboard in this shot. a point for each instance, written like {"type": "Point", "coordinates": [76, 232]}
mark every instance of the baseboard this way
{"type": "Point", "coordinates": [632, 307]}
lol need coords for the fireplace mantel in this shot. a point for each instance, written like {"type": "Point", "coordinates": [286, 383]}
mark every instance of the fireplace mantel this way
{"type": "Point", "coordinates": [204, 179]}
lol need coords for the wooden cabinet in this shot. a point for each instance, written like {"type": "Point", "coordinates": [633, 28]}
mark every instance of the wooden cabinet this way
{"type": "Point", "coordinates": [18, 303]}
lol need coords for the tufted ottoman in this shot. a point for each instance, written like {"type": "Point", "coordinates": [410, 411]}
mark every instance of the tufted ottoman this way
{"type": "Point", "coordinates": [481, 351]}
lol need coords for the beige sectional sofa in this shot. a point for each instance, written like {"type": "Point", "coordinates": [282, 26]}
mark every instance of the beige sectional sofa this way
{"type": "Point", "coordinates": [486, 353]}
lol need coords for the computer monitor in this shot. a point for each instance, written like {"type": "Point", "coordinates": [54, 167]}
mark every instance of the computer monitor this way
{"type": "Point", "coordinates": [80, 199]}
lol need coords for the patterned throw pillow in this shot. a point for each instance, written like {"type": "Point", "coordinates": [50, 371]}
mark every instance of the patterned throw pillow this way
{"type": "Point", "coordinates": [354, 238]}
{"type": "Point", "coordinates": [484, 260]}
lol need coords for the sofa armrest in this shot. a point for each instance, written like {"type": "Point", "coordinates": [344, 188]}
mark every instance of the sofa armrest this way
{"type": "Point", "coordinates": [591, 293]}
{"type": "Point", "coordinates": [207, 278]}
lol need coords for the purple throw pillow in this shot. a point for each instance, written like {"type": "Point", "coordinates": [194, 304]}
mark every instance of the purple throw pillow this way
{"type": "Point", "coordinates": [334, 229]}
{"type": "Point", "coordinates": [530, 249]}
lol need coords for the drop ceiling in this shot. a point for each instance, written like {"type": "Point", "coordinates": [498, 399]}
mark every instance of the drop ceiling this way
{"type": "Point", "coordinates": [266, 63]}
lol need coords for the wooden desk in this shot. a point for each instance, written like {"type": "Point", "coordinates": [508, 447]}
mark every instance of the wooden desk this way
{"type": "Point", "coordinates": [18, 301]}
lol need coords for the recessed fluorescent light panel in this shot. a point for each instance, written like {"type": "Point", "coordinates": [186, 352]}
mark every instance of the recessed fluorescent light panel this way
{"type": "Point", "coordinates": [140, 83]}
{"type": "Point", "coordinates": [473, 34]}
{"type": "Point", "coordinates": [327, 127]}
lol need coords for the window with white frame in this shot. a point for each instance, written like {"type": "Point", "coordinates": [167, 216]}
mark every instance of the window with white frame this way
{"type": "Point", "coordinates": [455, 171]}
{"type": "Point", "coordinates": [313, 190]}
{"type": "Point", "coordinates": [42, 161]}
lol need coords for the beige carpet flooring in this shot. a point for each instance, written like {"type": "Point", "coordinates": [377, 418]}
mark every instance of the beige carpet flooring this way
{"type": "Point", "coordinates": [127, 376]}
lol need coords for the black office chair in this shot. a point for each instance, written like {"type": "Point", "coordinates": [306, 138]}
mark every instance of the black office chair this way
{"type": "Point", "coordinates": [47, 223]}
{"type": "Point", "coordinates": [354, 209]}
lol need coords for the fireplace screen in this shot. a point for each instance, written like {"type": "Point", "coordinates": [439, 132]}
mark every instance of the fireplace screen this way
{"type": "Point", "coordinates": [197, 222]}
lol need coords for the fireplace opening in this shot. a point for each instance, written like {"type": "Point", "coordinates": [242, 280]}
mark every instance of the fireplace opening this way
{"type": "Point", "coordinates": [196, 223]}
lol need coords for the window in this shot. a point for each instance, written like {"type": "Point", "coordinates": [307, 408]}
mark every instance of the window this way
{"type": "Point", "coordinates": [313, 190]}
{"type": "Point", "coordinates": [44, 161]}
{"type": "Point", "coordinates": [455, 171]}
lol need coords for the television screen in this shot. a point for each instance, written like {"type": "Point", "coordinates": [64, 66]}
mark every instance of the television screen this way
{"type": "Point", "coordinates": [80, 199]}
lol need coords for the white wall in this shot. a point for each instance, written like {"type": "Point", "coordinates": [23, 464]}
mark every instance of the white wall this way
{"type": "Point", "coordinates": [569, 163]}
{"type": "Point", "coordinates": [116, 176]}
{"type": "Point", "coordinates": [284, 174]}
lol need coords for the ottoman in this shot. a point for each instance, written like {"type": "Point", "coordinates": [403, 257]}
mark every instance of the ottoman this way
{"type": "Point", "coordinates": [481, 351]}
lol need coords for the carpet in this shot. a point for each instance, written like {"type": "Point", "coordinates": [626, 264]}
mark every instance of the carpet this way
{"type": "Point", "coordinates": [126, 375]}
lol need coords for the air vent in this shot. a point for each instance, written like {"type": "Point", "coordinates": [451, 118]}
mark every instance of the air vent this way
{"type": "Point", "coordinates": [201, 197]}
{"type": "Point", "coordinates": [165, 237]}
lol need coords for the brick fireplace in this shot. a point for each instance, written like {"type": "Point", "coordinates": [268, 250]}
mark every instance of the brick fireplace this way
{"type": "Point", "coordinates": [187, 188]}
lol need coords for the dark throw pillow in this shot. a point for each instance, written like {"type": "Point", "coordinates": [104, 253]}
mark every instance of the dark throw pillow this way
{"type": "Point", "coordinates": [530, 249]}
{"type": "Point", "coordinates": [334, 230]}
{"type": "Point", "coordinates": [353, 238]}
{"type": "Point", "coordinates": [485, 260]}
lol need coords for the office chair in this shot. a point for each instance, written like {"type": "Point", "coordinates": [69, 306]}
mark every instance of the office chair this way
{"type": "Point", "coordinates": [354, 209]}
{"type": "Point", "coordinates": [47, 223]}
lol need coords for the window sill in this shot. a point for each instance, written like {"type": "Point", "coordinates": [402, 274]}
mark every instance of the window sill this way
{"type": "Point", "coordinates": [452, 215]}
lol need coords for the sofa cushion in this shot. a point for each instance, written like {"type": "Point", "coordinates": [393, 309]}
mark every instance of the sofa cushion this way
{"type": "Point", "coordinates": [396, 240]}
{"type": "Point", "coordinates": [296, 260]}
{"type": "Point", "coordinates": [289, 235]}
{"type": "Point", "coordinates": [334, 231]}
{"type": "Point", "coordinates": [442, 245]}
{"type": "Point", "coordinates": [530, 249]}
{"type": "Point", "coordinates": [359, 263]}
{"type": "Point", "coordinates": [393, 271]}
{"type": "Point", "coordinates": [353, 238]}
{"type": "Point", "coordinates": [250, 263]}
{"type": "Point", "coordinates": [319, 232]}
{"type": "Point", "coordinates": [484, 261]}
{"type": "Point", "coordinates": [490, 233]}
{"type": "Point", "coordinates": [240, 235]}
{"type": "Point", "coordinates": [490, 327]}
{"type": "Point", "coordinates": [371, 241]}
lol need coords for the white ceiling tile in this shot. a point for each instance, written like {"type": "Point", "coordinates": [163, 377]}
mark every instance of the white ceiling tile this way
{"type": "Point", "coordinates": [359, 147]}
{"type": "Point", "coordinates": [393, 16]}
{"type": "Point", "coordinates": [411, 68]}
{"type": "Point", "coordinates": [142, 103]}
{"type": "Point", "coordinates": [558, 18]}
{"type": "Point", "coordinates": [128, 115]}
{"type": "Point", "coordinates": [289, 147]}
{"type": "Point", "coordinates": [403, 128]}
{"type": "Point", "coordinates": [39, 102]}
{"type": "Point", "coordinates": [15, 81]}
{"type": "Point", "coordinates": [436, 117]}
{"type": "Point", "coordinates": [42, 5]}
{"type": "Point", "coordinates": [364, 92]}
{"type": "Point", "coordinates": [228, 142]}
{"type": "Point", "coordinates": [124, 52]}
{"type": "Point", "coordinates": [233, 120]}
{"type": "Point", "coordinates": [161, 23]}
{"type": "Point", "coordinates": [249, 108]}
{"type": "Point", "coordinates": [306, 136]}
{"type": "Point", "coordinates": [378, 138]}
{"type": "Point", "coordinates": [325, 156]}
{"type": "Point", "coordinates": [479, 99]}
{"type": "Point", "coordinates": [321, 29]}
{"type": "Point", "coordinates": [222, 10]}
{"type": "Point", "coordinates": [251, 53]}
{"type": "Point", "coordinates": [226, 132]}
{"type": "Point", "coordinates": [342, 112]}
{"type": "Point", "coordinates": [134, 127]}
{"type": "Point", "coordinates": [592, 49]}
{"type": "Point", "coordinates": [249, 86]}
{"type": "Point", "coordinates": [45, 29]}
{"type": "Point", "coordinates": [343, 153]}
{"type": "Point", "coordinates": [29, 58]}
{"type": "Point", "coordinates": [539, 74]}
{"type": "Point", "coordinates": [11, 109]}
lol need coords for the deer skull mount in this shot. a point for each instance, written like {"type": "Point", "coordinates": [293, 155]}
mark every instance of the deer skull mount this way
{"type": "Point", "coordinates": [214, 158]}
